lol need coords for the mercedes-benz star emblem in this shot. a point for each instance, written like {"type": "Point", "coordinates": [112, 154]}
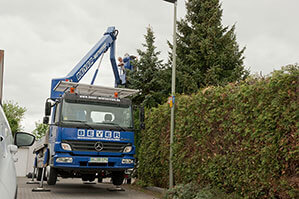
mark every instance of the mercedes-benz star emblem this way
{"type": "Point", "coordinates": [98, 146]}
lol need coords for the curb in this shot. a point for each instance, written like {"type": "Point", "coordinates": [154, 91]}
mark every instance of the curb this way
{"type": "Point", "coordinates": [156, 189]}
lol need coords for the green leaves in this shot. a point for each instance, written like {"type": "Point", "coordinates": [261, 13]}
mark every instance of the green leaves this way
{"type": "Point", "coordinates": [207, 52]}
{"type": "Point", "coordinates": [240, 138]}
{"type": "Point", "coordinates": [14, 113]}
{"type": "Point", "coordinates": [149, 75]}
{"type": "Point", "coordinates": [40, 130]}
{"type": "Point", "coordinates": [194, 191]}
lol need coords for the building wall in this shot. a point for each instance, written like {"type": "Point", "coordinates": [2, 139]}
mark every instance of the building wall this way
{"type": "Point", "coordinates": [25, 156]}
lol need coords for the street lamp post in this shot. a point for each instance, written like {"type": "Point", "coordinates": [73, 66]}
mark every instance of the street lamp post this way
{"type": "Point", "coordinates": [172, 93]}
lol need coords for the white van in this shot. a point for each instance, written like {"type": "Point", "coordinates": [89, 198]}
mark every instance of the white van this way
{"type": "Point", "coordinates": [8, 148]}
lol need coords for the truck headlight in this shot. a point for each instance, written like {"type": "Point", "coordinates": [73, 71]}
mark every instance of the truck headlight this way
{"type": "Point", "coordinates": [64, 160]}
{"type": "Point", "coordinates": [66, 146]}
{"type": "Point", "coordinates": [127, 161]}
{"type": "Point", "coordinates": [127, 149]}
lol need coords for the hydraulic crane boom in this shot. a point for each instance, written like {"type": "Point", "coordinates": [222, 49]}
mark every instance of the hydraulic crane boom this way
{"type": "Point", "coordinates": [78, 72]}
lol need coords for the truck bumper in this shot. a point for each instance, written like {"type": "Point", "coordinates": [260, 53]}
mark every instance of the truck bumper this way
{"type": "Point", "coordinates": [83, 162]}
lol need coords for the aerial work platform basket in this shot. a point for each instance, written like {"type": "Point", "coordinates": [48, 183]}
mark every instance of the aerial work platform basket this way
{"type": "Point", "coordinates": [94, 90]}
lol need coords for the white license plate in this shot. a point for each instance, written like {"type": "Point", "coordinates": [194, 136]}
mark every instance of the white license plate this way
{"type": "Point", "coordinates": [98, 160]}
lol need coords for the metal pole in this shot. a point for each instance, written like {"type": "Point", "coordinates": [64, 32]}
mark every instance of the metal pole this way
{"type": "Point", "coordinates": [173, 98]}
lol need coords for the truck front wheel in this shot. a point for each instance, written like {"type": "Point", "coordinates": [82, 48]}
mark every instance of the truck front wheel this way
{"type": "Point", "coordinates": [51, 175]}
{"type": "Point", "coordinates": [117, 177]}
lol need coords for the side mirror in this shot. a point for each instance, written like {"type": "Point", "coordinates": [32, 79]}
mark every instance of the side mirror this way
{"type": "Point", "coordinates": [24, 139]}
{"type": "Point", "coordinates": [46, 120]}
{"type": "Point", "coordinates": [48, 108]}
{"type": "Point", "coordinates": [141, 117]}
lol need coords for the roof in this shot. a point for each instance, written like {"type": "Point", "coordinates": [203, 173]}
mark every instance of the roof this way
{"type": "Point", "coordinates": [94, 90]}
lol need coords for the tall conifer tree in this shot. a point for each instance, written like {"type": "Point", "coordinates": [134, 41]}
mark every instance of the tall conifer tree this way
{"type": "Point", "coordinates": [207, 52]}
{"type": "Point", "coordinates": [146, 74]}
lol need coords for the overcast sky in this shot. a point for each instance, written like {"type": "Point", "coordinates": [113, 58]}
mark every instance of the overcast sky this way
{"type": "Point", "coordinates": [46, 39]}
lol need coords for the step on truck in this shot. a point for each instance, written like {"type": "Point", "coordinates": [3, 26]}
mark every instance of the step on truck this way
{"type": "Point", "coordinates": [91, 133]}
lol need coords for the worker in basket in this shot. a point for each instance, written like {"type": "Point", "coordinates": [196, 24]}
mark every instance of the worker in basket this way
{"type": "Point", "coordinates": [125, 64]}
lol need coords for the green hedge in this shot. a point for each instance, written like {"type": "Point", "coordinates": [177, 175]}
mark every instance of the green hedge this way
{"type": "Point", "coordinates": [240, 138]}
{"type": "Point", "coordinates": [194, 191]}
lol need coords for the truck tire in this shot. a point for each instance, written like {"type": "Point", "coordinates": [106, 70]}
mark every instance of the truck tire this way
{"type": "Point", "coordinates": [51, 175]}
{"type": "Point", "coordinates": [39, 174]}
{"type": "Point", "coordinates": [117, 178]}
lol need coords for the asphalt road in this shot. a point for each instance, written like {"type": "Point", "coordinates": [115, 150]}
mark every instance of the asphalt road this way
{"type": "Point", "coordinates": [75, 188]}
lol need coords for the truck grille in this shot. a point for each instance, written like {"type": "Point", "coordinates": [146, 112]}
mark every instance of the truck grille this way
{"type": "Point", "coordinates": [90, 146]}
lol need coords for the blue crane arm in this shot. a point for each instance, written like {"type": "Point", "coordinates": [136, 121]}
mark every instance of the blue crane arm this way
{"type": "Point", "coordinates": [78, 72]}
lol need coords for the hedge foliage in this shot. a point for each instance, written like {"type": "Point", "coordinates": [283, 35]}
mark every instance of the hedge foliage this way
{"type": "Point", "coordinates": [240, 138]}
{"type": "Point", "coordinates": [194, 191]}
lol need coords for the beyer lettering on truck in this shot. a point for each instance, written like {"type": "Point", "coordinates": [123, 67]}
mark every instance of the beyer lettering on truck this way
{"type": "Point", "coordinates": [91, 132]}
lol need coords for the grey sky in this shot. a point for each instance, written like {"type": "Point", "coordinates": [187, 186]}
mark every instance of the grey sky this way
{"type": "Point", "coordinates": [46, 39]}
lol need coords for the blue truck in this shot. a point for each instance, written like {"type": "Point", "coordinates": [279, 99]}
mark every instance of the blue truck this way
{"type": "Point", "coordinates": [91, 133]}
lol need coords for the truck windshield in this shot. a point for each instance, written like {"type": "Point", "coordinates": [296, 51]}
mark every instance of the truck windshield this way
{"type": "Point", "coordinates": [97, 114]}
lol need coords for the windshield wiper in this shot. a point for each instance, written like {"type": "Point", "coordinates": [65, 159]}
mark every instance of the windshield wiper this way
{"type": "Point", "coordinates": [82, 122]}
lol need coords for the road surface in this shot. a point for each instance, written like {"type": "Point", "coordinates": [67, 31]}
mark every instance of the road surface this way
{"type": "Point", "coordinates": [76, 189]}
